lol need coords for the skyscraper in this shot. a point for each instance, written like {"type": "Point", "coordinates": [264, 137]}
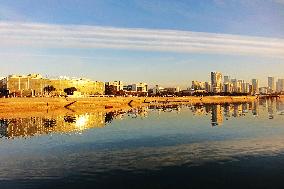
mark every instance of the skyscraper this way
{"type": "Point", "coordinates": [255, 86]}
{"type": "Point", "coordinates": [235, 85]}
{"type": "Point", "coordinates": [216, 82]}
{"type": "Point", "coordinates": [280, 85]}
{"type": "Point", "coordinates": [227, 79]}
{"type": "Point", "coordinates": [271, 84]}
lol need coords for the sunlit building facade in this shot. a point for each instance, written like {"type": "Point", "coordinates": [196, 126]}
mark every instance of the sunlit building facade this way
{"type": "Point", "coordinates": [35, 84]}
{"type": "Point", "coordinates": [216, 82]}
{"type": "Point", "coordinates": [280, 85]}
{"type": "Point", "coordinates": [117, 85]}
{"type": "Point", "coordinates": [255, 86]}
{"type": "Point", "coordinates": [198, 85]}
{"type": "Point", "coordinates": [271, 84]}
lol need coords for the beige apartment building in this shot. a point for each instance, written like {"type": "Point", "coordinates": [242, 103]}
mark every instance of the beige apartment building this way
{"type": "Point", "coordinates": [34, 85]}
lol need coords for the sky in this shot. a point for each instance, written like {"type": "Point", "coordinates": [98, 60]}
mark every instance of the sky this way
{"type": "Point", "coordinates": [164, 42]}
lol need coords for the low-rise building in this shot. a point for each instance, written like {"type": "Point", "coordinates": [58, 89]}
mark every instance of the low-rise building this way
{"type": "Point", "coordinates": [113, 88]}
{"type": "Point", "coordinates": [117, 85]}
{"type": "Point", "coordinates": [36, 85]}
{"type": "Point", "coordinates": [172, 89]}
{"type": "Point", "coordinates": [140, 87]}
{"type": "Point", "coordinates": [137, 87]}
{"type": "Point", "coordinates": [157, 90]}
{"type": "Point", "coordinates": [198, 85]}
{"type": "Point", "coordinates": [24, 85]}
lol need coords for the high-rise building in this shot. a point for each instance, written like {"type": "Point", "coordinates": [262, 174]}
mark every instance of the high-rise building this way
{"type": "Point", "coordinates": [240, 86]}
{"type": "Point", "coordinates": [280, 85]}
{"type": "Point", "coordinates": [216, 82]}
{"type": "Point", "coordinates": [255, 86]}
{"type": "Point", "coordinates": [271, 84]}
{"type": "Point", "coordinates": [246, 88]}
{"type": "Point", "coordinates": [235, 85]}
{"type": "Point", "coordinates": [228, 87]}
{"type": "Point", "coordinates": [227, 79]}
{"type": "Point", "coordinates": [207, 86]}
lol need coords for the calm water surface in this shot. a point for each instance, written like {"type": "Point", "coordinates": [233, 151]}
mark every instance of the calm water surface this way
{"type": "Point", "coordinates": [224, 146]}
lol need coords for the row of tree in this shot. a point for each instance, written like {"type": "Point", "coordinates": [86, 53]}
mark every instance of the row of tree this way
{"type": "Point", "coordinates": [49, 89]}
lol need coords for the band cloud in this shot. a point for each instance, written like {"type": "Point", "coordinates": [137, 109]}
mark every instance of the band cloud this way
{"type": "Point", "coordinates": [39, 35]}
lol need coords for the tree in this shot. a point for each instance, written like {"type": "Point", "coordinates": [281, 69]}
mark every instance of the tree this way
{"type": "Point", "coordinates": [49, 89]}
{"type": "Point", "coordinates": [110, 90]}
{"type": "Point", "coordinates": [4, 93]}
{"type": "Point", "coordinates": [70, 91]}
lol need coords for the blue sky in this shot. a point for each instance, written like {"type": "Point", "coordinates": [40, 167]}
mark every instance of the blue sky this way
{"type": "Point", "coordinates": [167, 64]}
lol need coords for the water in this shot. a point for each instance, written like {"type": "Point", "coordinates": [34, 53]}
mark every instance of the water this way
{"type": "Point", "coordinates": [225, 146]}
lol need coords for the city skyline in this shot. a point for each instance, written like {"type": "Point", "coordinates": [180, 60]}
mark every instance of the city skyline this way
{"type": "Point", "coordinates": [218, 82]}
{"type": "Point", "coordinates": [163, 42]}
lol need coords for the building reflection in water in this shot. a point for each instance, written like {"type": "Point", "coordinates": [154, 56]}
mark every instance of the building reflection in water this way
{"type": "Point", "coordinates": [32, 126]}
{"type": "Point", "coordinates": [217, 115]}
{"type": "Point", "coordinates": [255, 107]}
{"type": "Point", "coordinates": [221, 112]}
{"type": "Point", "coordinates": [279, 105]}
{"type": "Point", "coordinates": [271, 108]}
{"type": "Point", "coordinates": [24, 127]}
{"type": "Point", "coordinates": [141, 112]}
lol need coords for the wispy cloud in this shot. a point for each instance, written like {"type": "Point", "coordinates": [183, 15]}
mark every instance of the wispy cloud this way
{"type": "Point", "coordinates": [80, 36]}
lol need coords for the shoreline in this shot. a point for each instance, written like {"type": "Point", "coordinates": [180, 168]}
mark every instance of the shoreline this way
{"type": "Point", "coordinates": [27, 107]}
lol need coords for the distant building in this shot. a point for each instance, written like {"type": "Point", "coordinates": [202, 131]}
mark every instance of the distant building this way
{"type": "Point", "coordinates": [245, 88]}
{"type": "Point", "coordinates": [172, 89]}
{"type": "Point", "coordinates": [280, 85]}
{"type": "Point", "coordinates": [137, 87]}
{"type": "Point", "coordinates": [250, 89]}
{"type": "Point", "coordinates": [24, 85]}
{"type": "Point", "coordinates": [227, 79]}
{"type": "Point", "coordinates": [271, 84]}
{"type": "Point", "coordinates": [112, 88]}
{"type": "Point", "coordinates": [240, 85]}
{"type": "Point", "coordinates": [127, 87]}
{"type": "Point", "coordinates": [118, 85]}
{"type": "Point", "coordinates": [263, 90]}
{"type": "Point", "coordinates": [157, 90]}
{"type": "Point", "coordinates": [84, 86]}
{"type": "Point", "coordinates": [228, 87]}
{"type": "Point", "coordinates": [198, 85]}
{"type": "Point", "coordinates": [255, 86]}
{"type": "Point", "coordinates": [35, 84]}
{"type": "Point", "coordinates": [216, 82]}
{"type": "Point", "coordinates": [235, 85]}
{"type": "Point", "coordinates": [140, 87]}
{"type": "Point", "coordinates": [207, 87]}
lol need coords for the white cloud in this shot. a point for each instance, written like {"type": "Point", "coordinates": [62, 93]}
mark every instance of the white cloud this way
{"type": "Point", "coordinates": [79, 36]}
